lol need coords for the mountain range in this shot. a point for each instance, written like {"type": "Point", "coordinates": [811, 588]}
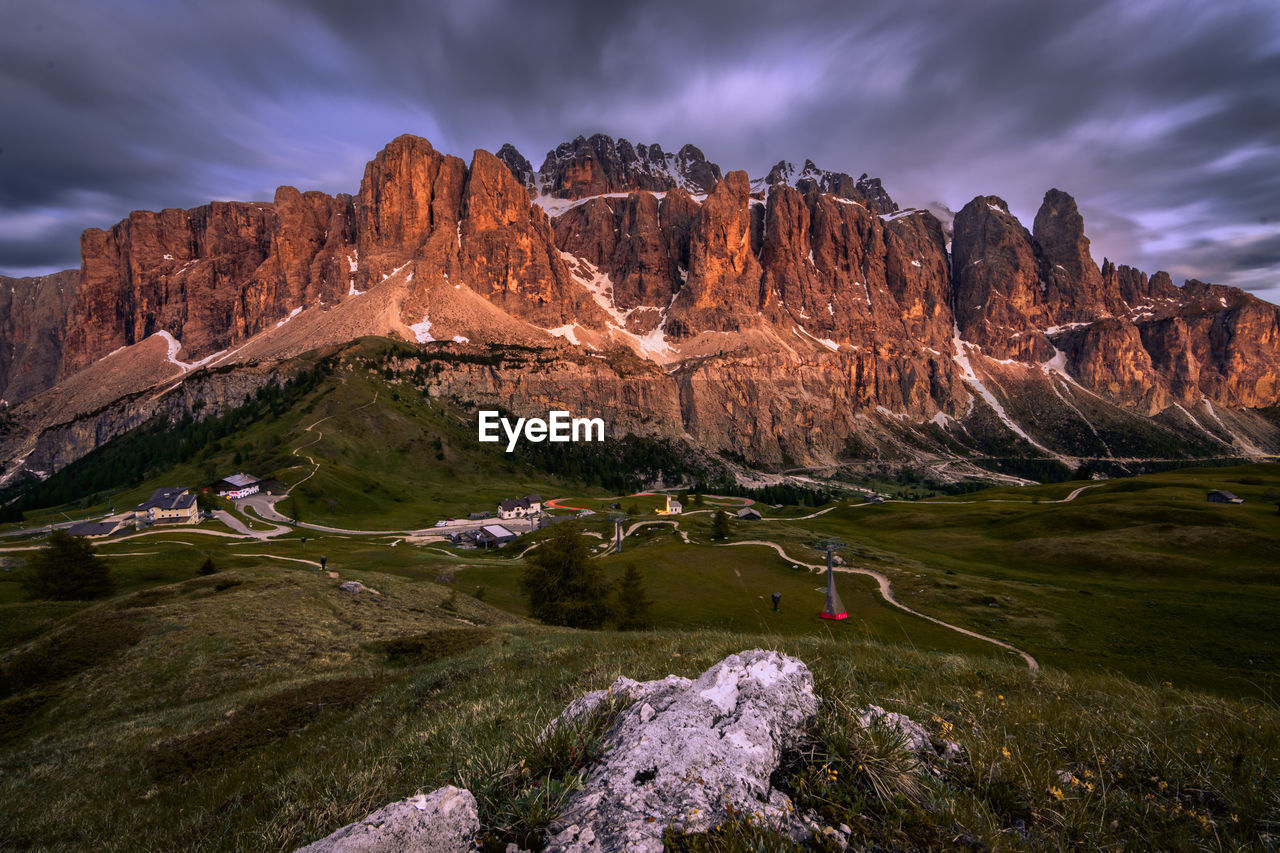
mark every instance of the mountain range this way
{"type": "Point", "coordinates": [801, 320]}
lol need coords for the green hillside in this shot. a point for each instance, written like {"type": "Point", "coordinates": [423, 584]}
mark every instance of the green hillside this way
{"type": "Point", "coordinates": [260, 708]}
{"type": "Point", "coordinates": [1139, 576]}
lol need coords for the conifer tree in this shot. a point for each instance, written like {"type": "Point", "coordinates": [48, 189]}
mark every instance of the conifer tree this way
{"type": "Point", "coordinates": [564, 586]}
{"type": "Point", "coordinates": [67, 569]}
{"type": "Point", "coordinates": [635, 608]}
{"type": "Point", "coordinates": [720, 525]}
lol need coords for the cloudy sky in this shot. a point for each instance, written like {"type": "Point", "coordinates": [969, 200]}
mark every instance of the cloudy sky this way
{"type": "Point", "coordinates": [1161, 118]}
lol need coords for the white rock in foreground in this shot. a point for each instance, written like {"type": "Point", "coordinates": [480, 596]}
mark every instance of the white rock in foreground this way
{"type": "Point", "coordinates": [688, 752]}
{"type": "Point", "coordinates": [915, 738]}
{"type": "Point", "coordinates": [444, 821]}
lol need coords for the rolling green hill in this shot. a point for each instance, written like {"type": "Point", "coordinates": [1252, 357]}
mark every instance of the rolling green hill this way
{"type": "Point", "coordinates": [261, 707]}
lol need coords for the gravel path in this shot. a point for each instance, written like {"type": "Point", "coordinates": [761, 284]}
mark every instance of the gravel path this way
{"type": "Point", "coordinates": [886, 591]}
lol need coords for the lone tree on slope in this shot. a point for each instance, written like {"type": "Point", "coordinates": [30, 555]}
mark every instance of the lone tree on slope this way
{"type": "Point", "coordinates": [720, 525]}
{"type": "Point", "coordinates": [635, 608]}
{"type": "Point", "coordinates": [67, 569]}
{"type": "Point", "coordinates": [563, 585]}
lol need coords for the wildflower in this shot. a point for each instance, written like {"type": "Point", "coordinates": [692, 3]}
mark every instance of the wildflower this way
{"type": "Point", "coordinates": [1056, 792]}
{"type": "Point", "coordinates": [1004, 750]}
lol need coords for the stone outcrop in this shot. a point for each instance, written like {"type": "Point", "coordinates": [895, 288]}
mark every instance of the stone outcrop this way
{"type": "Point", "coordinates": [409, 206]}
{"type": "Point", "coordinates": [1069, 278]}
{"type": "Point", "coordinates": [1140, 342]}
{"type": "Point", "coordinates": [1108, 356]}
{"type": "Point", "coordinates": [686, 753]}
{"type": "Point", "coordinates": [638, 239]}
{"type": "Point", "coordinates": [520, 168]}
{"type": "Point", "coordinates": [915, 737]}
{"type": "Point", "coordinates": [444, 821]}
{"type": "Point", "coordinates": [214, 276]}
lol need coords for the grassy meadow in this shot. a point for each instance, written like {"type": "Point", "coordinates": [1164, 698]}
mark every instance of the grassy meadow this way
{"type": "Point", "coordinates": [261, 708]}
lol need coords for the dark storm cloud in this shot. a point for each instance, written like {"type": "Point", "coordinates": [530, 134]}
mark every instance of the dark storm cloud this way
{"type": "Point", "coordinates": [1158, 117]}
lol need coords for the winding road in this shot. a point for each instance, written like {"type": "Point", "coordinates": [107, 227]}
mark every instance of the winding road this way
{"type": "Point", "coordinates": [263, 506]}
{"type": "Point", "coordinates": [886, 592]}
{"type": "Point", "coordinates": [1068, 499]}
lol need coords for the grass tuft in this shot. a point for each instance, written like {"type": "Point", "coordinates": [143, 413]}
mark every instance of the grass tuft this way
{"type": "Point", "coordinates": [424, 648]}
{"type": "Point", "coordinates": [256, 725]}
{"type": "Point", "coordinates": [93, 638]}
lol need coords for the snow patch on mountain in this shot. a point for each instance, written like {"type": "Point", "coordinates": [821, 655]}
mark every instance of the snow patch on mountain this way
{"type": "Point", "coordinates": [422, 331]}
{"type": "Point", "coordinates": [294, 313]}
{"type": "Point", "coordinates": [597, 283]}
{"type": "Point", "coordinates": [968, 374]}
{"type": "Point", "coordinates": [175, 347]}
{"type": "Point", "coordinates": [800, 331]}
{"type": "Point", "coordinates": [568, 332]}
{"type": "Point", "coordinates": [1238, 440]}
{"type": "Point", "coordinates": [396, 271]}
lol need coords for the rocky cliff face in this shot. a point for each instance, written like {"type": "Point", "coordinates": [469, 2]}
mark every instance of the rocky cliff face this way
{"type": "Point", "coordinates": [810, 179]}
{"type": "Point", "coordinates": [33, 324]}
{"type": "Point", "coordinates": [599, 165]}
{"type": "Point", "coordinates": [796, 319]}
{"type": "Point", "coordinates": [214, 276]}
{"type": "Point", "coordinates": [210, 276]}
{"type": "Point", "coordinates": [723, 287]}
